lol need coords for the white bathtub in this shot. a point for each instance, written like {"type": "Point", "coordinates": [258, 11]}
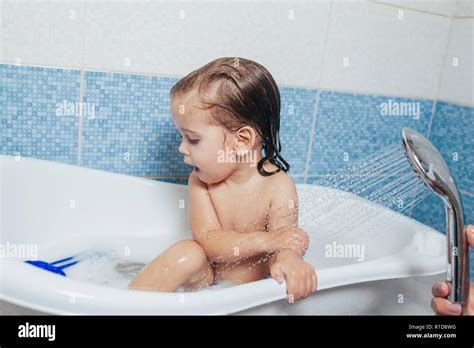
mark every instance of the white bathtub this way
{"type": "Point", "coordinates": [64, 209]}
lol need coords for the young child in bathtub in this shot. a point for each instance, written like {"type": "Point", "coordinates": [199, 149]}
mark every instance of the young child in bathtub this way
{"type": "Point", "coordinates": [243, 207]}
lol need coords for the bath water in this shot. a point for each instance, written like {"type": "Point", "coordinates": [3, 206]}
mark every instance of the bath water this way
{"type": "Point", "coordinates": [111, 268]}
{"type": "Point", "coordinates": [384, 178]}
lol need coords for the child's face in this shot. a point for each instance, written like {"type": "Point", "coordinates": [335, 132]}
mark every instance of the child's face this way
{"type": "Point", "coordinates": [201, 141]}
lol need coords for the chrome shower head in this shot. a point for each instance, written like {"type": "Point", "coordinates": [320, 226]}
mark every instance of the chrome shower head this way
{"type": "Point", "coordinates": [430, 166]}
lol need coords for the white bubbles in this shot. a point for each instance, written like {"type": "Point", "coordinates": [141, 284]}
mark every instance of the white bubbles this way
{"type": "Point", "coordinates": [106, 268]}
{"type": "Point", "coordinates": [218, 285]}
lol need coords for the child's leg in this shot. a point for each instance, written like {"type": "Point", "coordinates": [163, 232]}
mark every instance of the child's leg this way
{"type": "Point", "coordinates": [184, 263]}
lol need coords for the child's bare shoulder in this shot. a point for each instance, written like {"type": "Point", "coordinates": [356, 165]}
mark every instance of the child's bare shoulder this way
{"type": "Point", "coordinates": [282, 188]}
{"type": "Point", "coordinates": [284, 202]}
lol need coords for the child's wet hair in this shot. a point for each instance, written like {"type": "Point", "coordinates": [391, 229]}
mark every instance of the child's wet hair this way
{"type": "Point", "coordinates": [240, 92]}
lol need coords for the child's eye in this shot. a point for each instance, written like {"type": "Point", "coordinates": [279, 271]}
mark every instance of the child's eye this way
{"type": "Point", "coordinates": [193, 141]}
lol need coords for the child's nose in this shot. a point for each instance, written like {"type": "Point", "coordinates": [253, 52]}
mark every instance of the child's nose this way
{"type": "Point", "coordinates": [182, 148]}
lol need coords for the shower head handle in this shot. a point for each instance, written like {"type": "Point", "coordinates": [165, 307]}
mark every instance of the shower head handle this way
{"type": "Point", "coordinates": [431, 168]}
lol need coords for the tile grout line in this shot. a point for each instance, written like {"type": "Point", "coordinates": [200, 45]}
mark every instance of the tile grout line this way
{"type": "Point", "coordinates": [419, 11]}
{"type": "Point", "coordinates": [441, 75]}
{"type": "Point", "coordinates": [282, 85]}
{"type": "Point", "coordinates": [311, 135]}
{"type": "Point", "coordinates": [436, 96]}
{"type": "Point", "coordinates": [79, 128]}
{"type": "Point", "coordinates": [186, 176]}
{"type": "Point", "coordinates": [81, 90]}
{"type": "Point", "coordinates": [316, 100]}
{"type": "Point", "coordinates": [1, 29]}
{"type": "Point", "coordinates": [471, 194]}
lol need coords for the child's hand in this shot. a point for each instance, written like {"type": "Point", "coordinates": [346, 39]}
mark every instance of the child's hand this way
{"type": "Point", "coordinates": [291, 238]}
{"type": "Point", "coordinates": [299, 275]}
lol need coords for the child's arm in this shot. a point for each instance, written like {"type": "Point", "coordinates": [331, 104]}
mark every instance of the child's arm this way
{"type": "Point", "coordinates": [300, 276]}
{"type": "Point", "coordinates": [229, 246]}
{"type": "Point", "coordinates": [284, 210]}
{"type": "Point", "coordinates": [286, 264]}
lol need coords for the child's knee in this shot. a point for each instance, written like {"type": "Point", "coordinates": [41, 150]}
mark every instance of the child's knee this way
{"type": "Point", "coordinates": [190, 254]}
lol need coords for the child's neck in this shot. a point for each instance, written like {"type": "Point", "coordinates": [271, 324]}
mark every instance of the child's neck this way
{"type": "Point", "coordinates": [245, 173]}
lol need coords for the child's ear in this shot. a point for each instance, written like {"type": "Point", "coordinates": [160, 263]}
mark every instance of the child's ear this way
{"type": "Point", "coordinates": [245, 138]}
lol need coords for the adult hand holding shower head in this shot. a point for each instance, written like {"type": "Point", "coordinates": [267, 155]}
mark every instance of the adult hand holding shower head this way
{"type": "Point", "coordinates": [432, 169]}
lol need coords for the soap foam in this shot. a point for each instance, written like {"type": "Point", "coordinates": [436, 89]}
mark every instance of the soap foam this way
{"type": "Point", "coordinates": [110, 268]}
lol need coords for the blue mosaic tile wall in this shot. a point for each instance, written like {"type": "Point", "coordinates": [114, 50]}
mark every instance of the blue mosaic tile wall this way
{"type": "Point", "coordinates": [132, 131]}
{"type": "Point", "coordinates": [33, 122]}
{"type": "Point", "coordinates": [129, 128]}
{"type": "Point", "coordinates": [296, 119]}
{"type": "Point", "coordinates": [351, 126]}
{"type": "Point", "coordinates": [451, 133]}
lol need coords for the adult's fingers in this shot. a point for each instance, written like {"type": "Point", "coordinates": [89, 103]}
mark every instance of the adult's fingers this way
{"type": "Point", "coordinates": [440, 289]}
{"type": "Point", "coordinates": [441, 306]}
{"type": "Point", "coordinates": [315, 282]}
{"type": "Point", "coordinates": [470, 235]}
{"type": "Point", "coordinates": [309, 284]}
